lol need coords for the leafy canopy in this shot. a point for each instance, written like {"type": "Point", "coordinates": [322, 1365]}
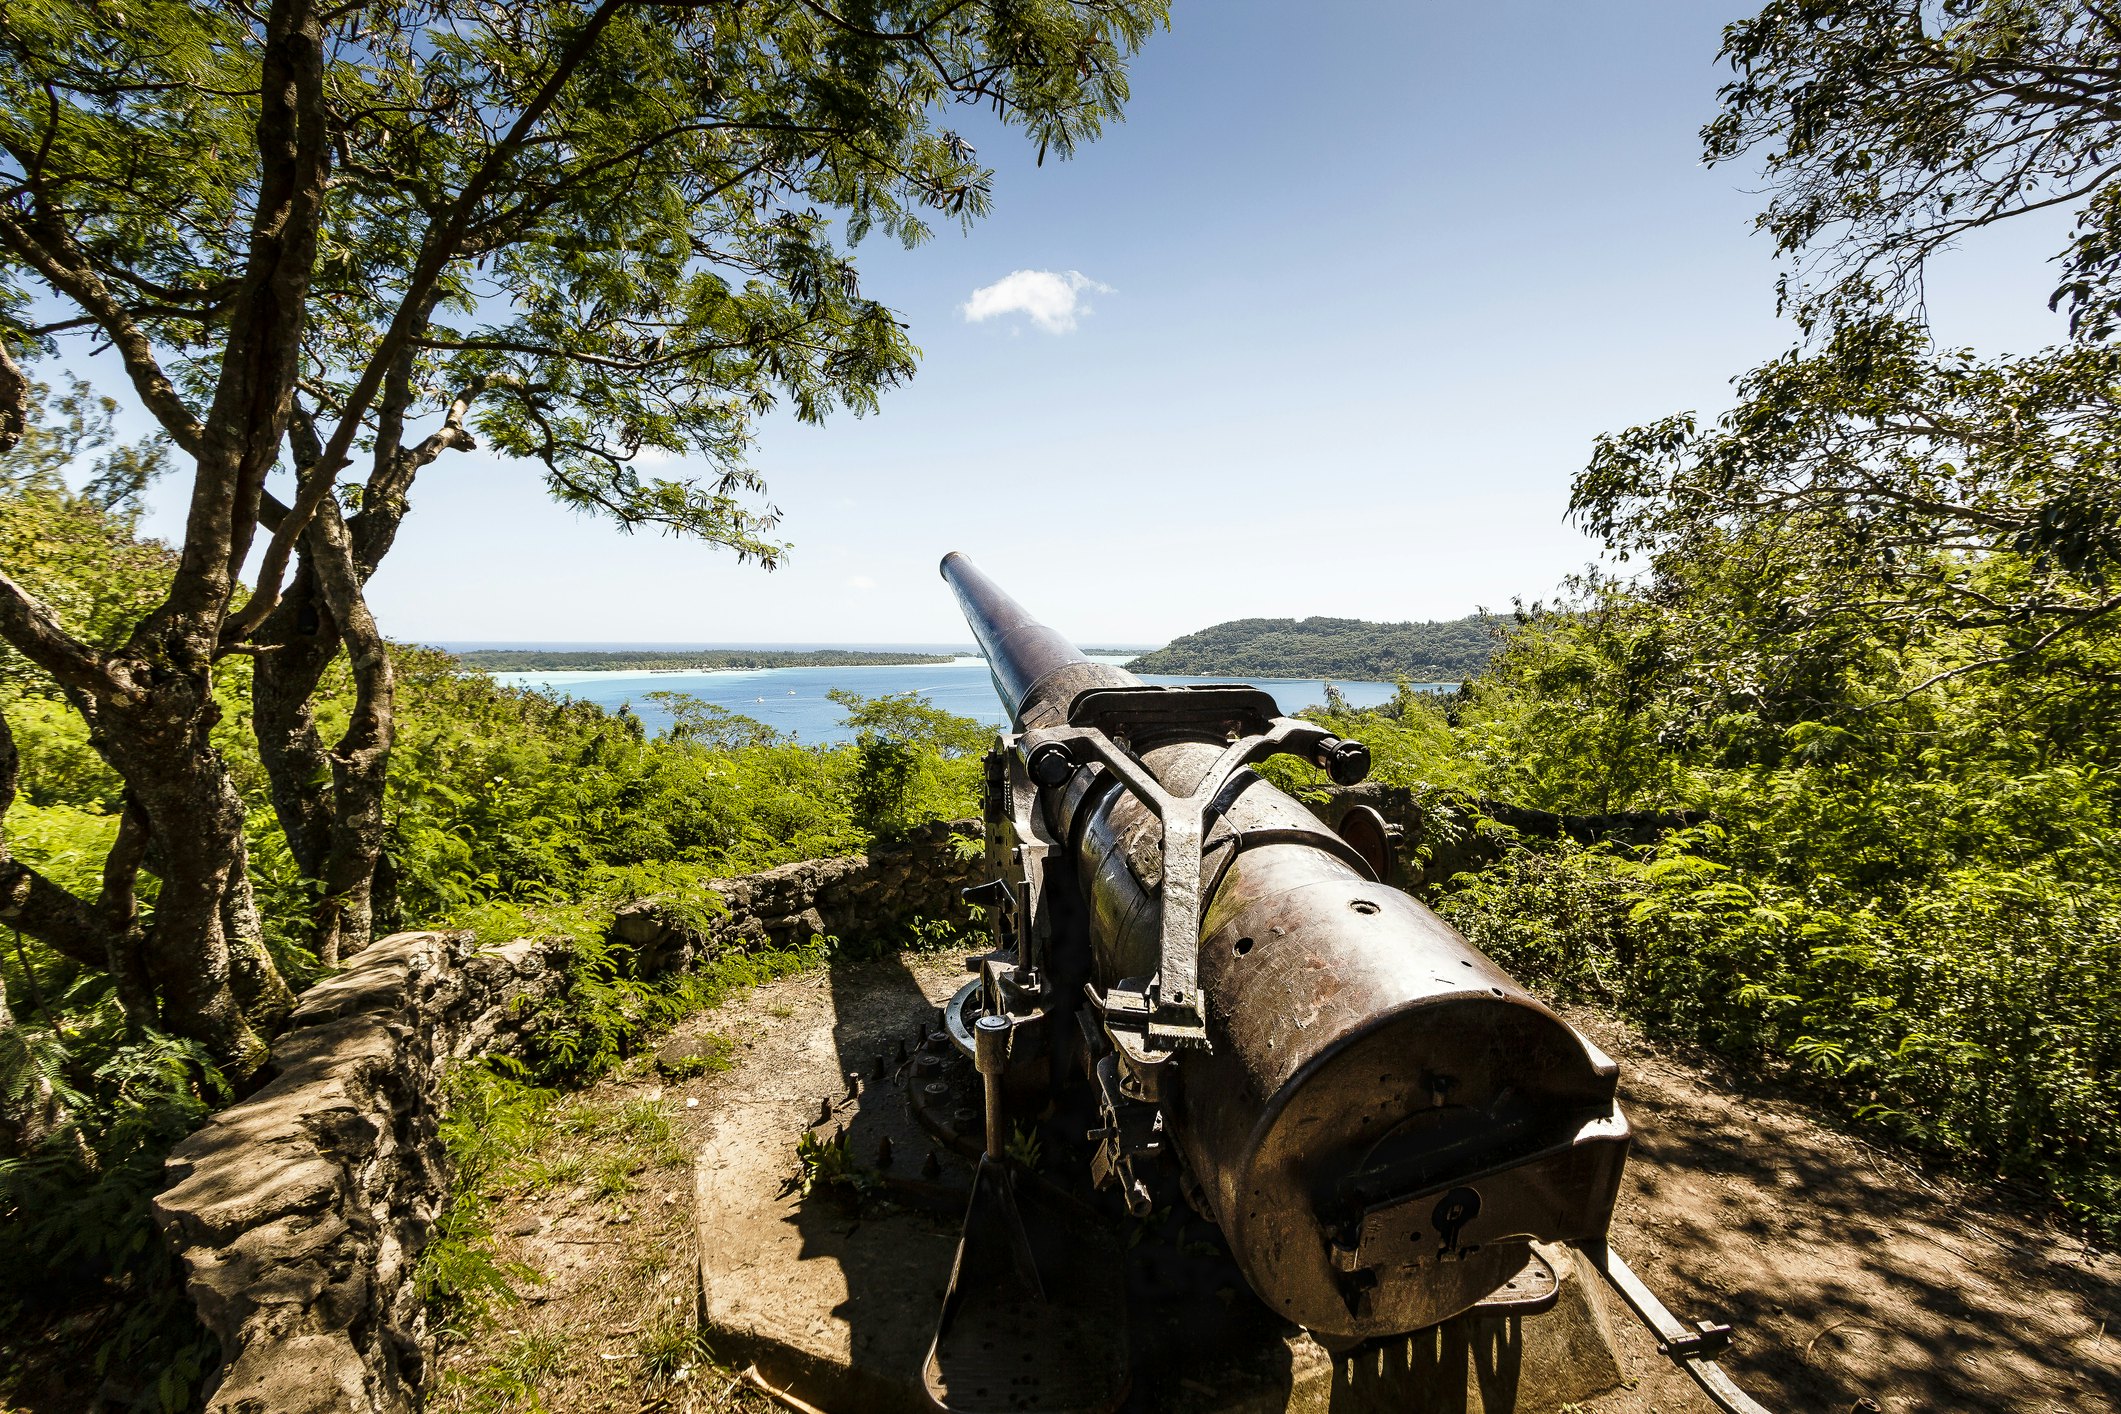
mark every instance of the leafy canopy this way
{"type": "Point", "coordinates": [597, 235]}
{"type": "Point", "coordinates": [1888, 129]}
{"type": "Point", "coordinates": [1875, 490]}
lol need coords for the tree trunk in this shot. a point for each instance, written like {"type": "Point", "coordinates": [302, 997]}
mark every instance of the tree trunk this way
{"type": "Point", "coordinates": [203, 953]}
{"type": "Point", "coordinates": [264, 995]}
{"type": "Point", "coordinates": [332, 800]}
{"type": "Point", "coordinates": [296, 643]}
{"type": "Point", "coordinates": [124, 940]}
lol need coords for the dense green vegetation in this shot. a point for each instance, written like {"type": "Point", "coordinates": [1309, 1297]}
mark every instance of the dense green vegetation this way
{"type": "Point", "coordinates": [1349, 649]}
{"type": "Point", "coordinates": [539, 660]}
{"type": "Point", "coordinates": [510, 813]}
{"type": "Point", "coordinates": [1872, 641]}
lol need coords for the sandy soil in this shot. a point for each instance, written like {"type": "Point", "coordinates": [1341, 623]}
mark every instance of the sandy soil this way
{"type": "Point", "coordinates": [1857, 1282]}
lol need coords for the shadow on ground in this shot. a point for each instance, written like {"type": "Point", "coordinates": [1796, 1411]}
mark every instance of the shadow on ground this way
{"type": "Point", "coordinates": [1850, 1275]}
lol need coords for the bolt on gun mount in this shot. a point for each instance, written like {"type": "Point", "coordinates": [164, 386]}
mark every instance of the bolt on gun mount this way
{"type": "Point", "coordinates": [1379, 1119]}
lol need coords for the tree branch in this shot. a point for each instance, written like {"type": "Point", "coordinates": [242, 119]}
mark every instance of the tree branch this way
{"type": "Point", "coordinates": [37, 635]}
{"type": "Point", "coordinates": [383, 500]}
{"type": "Point", "coordinates": [14, 401]}
{"type": "Point", "coordinates": [439, 248]}
{"type": "Point", "coordinates": [30, 901]}
{"type": "Point", "coordinates": [255, 389]}
{"type": "Point", "coordinates": [65, 270]}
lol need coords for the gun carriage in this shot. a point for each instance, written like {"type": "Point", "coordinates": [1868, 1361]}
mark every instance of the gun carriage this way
{"type": "Point", "coordinates": [1381, 1122]}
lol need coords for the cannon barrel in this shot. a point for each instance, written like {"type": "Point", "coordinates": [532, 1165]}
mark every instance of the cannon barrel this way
{"type": "Point", "coordinates": [1036, 672]}
{"type": "Point", "coordinates": [1379, 1118]}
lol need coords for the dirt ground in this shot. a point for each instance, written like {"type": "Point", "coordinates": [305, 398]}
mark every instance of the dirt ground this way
{"type": "Point", "coordinates": [1850, 1275]}
{"type": "Point", "coordinates": [1857, 1283]}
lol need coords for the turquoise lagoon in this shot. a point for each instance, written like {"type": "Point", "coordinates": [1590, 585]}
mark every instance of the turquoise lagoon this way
{"type": "Point", "coordinates": [793, 700]}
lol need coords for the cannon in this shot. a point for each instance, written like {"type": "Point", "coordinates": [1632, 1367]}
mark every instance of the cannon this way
{"type": "Point", "coordinates": [1380, 1121]}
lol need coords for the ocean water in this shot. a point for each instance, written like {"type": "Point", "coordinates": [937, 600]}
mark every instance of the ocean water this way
{"type": "Point", "coordinates": [793, 699]}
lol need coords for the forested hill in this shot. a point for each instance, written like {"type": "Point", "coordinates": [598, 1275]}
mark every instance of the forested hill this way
{"type": "Point", "coordinates": [538, 660]}
{"type": "Point", "coordinates": [1331, 648]}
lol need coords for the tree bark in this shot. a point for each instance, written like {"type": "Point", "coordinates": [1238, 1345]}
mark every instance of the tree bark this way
{"type": "Point", "coordinates": [360, 760]}
{"type": "Point", "coordinates": [261, 991]}
{"type": "Point", "coordinates": [125, 942]}
{"type": "Point", "coordinates": [297, 643]}
{"type": "Point", "coordinates": [194, 820]}
{"type": "Point", "coordinates": [14, 401]}
{"type": "Point", "coordinates": [202, 960]}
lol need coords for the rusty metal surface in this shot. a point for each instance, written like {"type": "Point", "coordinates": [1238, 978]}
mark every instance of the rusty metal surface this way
{"type": "Point", "coordinates": [1379, 1120]}
{"type": "Point", "coordinates": [1370, 836]}
{"type": "Point", "coordinates": [1370, 1062]}
{"type": "Point", "coordinates": [1693, 1348]}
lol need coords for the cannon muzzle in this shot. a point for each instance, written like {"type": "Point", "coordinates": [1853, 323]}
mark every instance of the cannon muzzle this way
{"type": "Point", "coordinates": [1036, 671]}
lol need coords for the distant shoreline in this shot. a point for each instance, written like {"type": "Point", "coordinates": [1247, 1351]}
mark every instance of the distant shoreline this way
{"type": "Point", "coordinates": [534, 660]}
{"type": "Point", "coordinates": [536, 676]}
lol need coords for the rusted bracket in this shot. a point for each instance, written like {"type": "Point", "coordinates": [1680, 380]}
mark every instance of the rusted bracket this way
{"type": "Point", "coordinates": [1129, 1130]}
{"type": "Point", "coordinates": [1692, 1348]}
{"type": "Point", "coordinates": [1169, 1014]}
{"type": "Point", "coordinates": [1018, 846]}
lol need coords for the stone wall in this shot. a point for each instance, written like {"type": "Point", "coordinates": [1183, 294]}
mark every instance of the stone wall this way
{"type": "Point", "coordinates": [854, 899]}
{"type": "Point", "coordinates": [300, 1212]}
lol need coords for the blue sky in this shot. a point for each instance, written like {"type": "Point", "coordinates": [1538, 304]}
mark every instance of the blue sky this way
{"type": "Point", "coordinates": [1374, 275]}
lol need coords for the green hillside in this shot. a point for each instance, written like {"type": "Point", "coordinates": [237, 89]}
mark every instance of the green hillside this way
{"type": "Point", "coordinates": [1449, 651]}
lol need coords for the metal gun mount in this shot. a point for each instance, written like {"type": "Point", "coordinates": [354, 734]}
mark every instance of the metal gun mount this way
{"type": "Point", "coordinates": [1380, 1122]}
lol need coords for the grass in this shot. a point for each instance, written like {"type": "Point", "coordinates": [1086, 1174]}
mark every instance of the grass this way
{"type": "Point", "coordinates": [508, 1137]}
{"type": "Point", "coordinates": [558, 1171]}
{"type": "Point", "coordinates": [710, 1055]}
{"type": "Point", "coordinates": [591, 1162]}
{"type": "Point", "coordinates": [513, 1144]}
{"type": "Point", "coordinates": [513, 1379]}
{"type": "Point", "coordinates": [669, 1348]}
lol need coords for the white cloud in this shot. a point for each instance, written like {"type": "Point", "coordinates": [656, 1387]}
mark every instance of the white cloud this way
{"type": "Point", "coordinates": [862, 582]}
{"type": "Point", "coordinates": [1051, 297]}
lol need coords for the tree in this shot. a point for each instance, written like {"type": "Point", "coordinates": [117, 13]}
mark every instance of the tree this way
{"type": "Point", "coordinates": [1889, 129]}
{"type": "Point", "coordinates": [589, 234]}
{"type": "Point", "coordinates": [1875, 489]}
{"type": "Point", "coordinates": [907, 752]}
{"type": "Point", "coordinates": [694, 719]}
{"type": "Point", "coordinates": [1871, 489]}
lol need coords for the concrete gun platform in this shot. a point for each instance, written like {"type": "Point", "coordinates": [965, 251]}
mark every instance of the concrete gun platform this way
{"type": "Point", "coordinates": [834, 1294]}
